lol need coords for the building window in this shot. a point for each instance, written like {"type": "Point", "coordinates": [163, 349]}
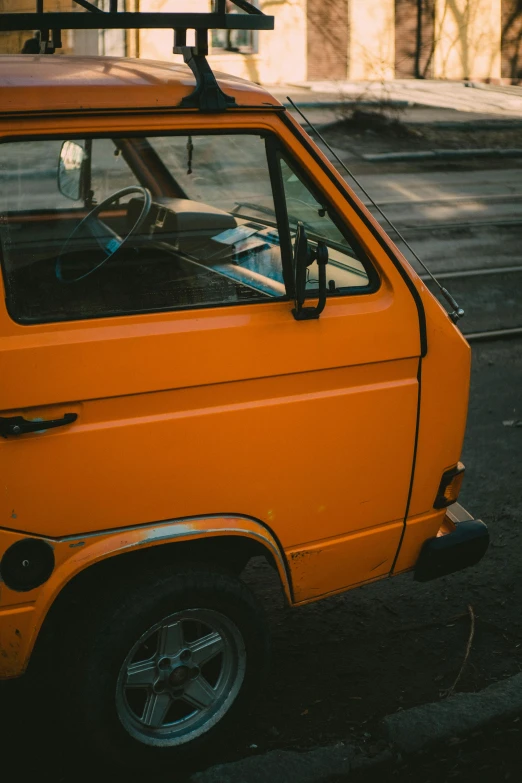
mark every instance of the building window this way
{"type": "Point", "coordinates": [241, 41]}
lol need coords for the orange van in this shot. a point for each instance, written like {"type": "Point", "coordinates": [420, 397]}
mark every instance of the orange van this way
{"type": "Point", "coordinates": [209, 351]}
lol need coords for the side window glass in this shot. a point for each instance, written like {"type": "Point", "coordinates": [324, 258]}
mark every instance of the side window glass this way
{"type": "Point", "coordinates": [345, 271]}
{"type": "Point", "coordinates": [145, 224]}
{"type": "Point", "coordinates": [28, 174]}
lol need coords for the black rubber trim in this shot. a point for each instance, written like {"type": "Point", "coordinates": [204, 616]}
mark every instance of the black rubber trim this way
{"type": "Point", "coordinates": [337, 180]}
{"type": "Point", "coordinates": [413, 465]}
{"type": "Point", "coordinates": [137, 110]}
{"type": "Point", "coordinates": [443, 555]}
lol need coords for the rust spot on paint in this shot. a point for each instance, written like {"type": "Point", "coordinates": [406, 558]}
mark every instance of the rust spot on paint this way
{"type": "Point", "coordinates": [305, 553]}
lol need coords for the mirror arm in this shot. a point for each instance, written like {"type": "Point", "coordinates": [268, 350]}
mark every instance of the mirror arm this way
{"type": "Point", "coordinates": [301, 313]}
{"type": "Point", "coordinates": [321, 256]}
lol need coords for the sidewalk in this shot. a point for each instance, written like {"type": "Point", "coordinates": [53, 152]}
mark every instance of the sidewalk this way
{"type": "Point", "coordinates": [419, 100]}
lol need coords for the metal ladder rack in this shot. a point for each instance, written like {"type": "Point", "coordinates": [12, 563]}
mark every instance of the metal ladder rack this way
{"type": "Point", "coordinates": [207, 96]}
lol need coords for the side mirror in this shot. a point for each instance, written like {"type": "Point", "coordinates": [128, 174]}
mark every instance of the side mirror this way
{"type": "Point", "coordinates": [70, 170]}
{"type": "Point", "coordinates": [303, 258]}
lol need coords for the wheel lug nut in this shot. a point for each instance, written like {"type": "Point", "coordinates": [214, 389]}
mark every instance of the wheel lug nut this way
{"type": "Point", "coordinates": [185, 655]}
{"type": "Point", "coordinates": [164, 663]}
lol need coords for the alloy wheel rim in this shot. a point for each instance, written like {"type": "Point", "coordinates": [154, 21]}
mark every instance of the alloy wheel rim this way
{"type": "Point", "coordinates": [181, 677]}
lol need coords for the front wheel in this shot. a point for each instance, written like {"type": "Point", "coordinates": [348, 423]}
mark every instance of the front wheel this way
{"type": "Point", "coordinates": [167, 669]}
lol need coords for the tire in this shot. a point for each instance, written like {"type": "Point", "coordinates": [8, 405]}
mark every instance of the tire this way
{"type": "Point", "coordinates": [168, 665]}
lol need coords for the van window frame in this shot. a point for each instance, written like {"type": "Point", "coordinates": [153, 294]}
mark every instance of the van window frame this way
{"type": "Point", "coordinates": [278, 152]}
{"type": "Point", "coordinates": [274, 150]}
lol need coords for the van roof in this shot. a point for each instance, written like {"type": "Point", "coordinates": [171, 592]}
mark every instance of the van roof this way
{"type": "Point", "coordinates": [47, 83]}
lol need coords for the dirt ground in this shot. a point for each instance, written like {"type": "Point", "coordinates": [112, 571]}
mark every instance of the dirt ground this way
{"type": "Point", "coordinates": [491, 756]}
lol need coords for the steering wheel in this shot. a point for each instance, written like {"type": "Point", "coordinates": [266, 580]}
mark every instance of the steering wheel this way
{"type": "Point", "coordinates": [99, 231]}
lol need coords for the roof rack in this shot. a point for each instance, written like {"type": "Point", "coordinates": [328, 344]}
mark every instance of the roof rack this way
{"type": "Point", "coordinates": [207, 96]}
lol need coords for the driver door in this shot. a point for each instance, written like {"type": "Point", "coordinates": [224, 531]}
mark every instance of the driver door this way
{"type": "Point", "coordinates": [194, 391]}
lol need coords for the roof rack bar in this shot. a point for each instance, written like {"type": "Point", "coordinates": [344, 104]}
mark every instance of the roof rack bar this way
{"type": "Point", "coordinates": [135, 20]}
{"type": "Point", "coordinates": [248, 7]}
{"type": "Point", "coordinates": [50, 41]}
{"type": "Point", "coordinates": [207, 95]}
{"type": "Point", "coordinates": [89, 6]}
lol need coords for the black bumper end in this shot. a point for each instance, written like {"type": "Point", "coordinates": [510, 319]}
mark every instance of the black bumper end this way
{"type": "Point", "coordinates": [442, 555]}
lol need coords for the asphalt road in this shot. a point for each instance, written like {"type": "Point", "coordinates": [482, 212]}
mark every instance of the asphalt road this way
{"type": "Point", "coordinates": [454, 220]}
{"type": "Point", "coordinates": [457, 216]}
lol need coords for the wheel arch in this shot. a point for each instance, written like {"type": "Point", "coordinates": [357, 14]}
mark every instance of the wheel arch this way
{"type": "Point", "coordinates": [100, 560]}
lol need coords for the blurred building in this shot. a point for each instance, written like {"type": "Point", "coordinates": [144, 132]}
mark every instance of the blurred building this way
{"type": "Point", "coordinates": [117, 42]}
{"type": "Point", "coordinates": [318, 40]}
{"type": "Point", "coordinates": [13, 43]}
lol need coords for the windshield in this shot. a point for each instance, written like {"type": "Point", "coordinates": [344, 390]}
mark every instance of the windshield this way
{"type": "Point", "coordinates": [222, 170]}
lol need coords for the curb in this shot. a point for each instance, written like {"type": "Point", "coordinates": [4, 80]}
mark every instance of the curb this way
{"type": "Point", "coordinates": [289, 766]}
{"type": "Point", "coordinates": [335, 104]}
{"type": "Point", "coordinates": [32, 173]}
{"type": "Point", "coordinates": [419, 727]}
{"type": "Point", "coordinates": [408, 731]}
{"type": "Point", "coordinates": [465, 125]}
{"type": "Point", "coordinates": [488, 152]}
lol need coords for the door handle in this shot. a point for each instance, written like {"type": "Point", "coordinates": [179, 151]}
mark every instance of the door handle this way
{"type": "Point", "coordinates": [17, 425]}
